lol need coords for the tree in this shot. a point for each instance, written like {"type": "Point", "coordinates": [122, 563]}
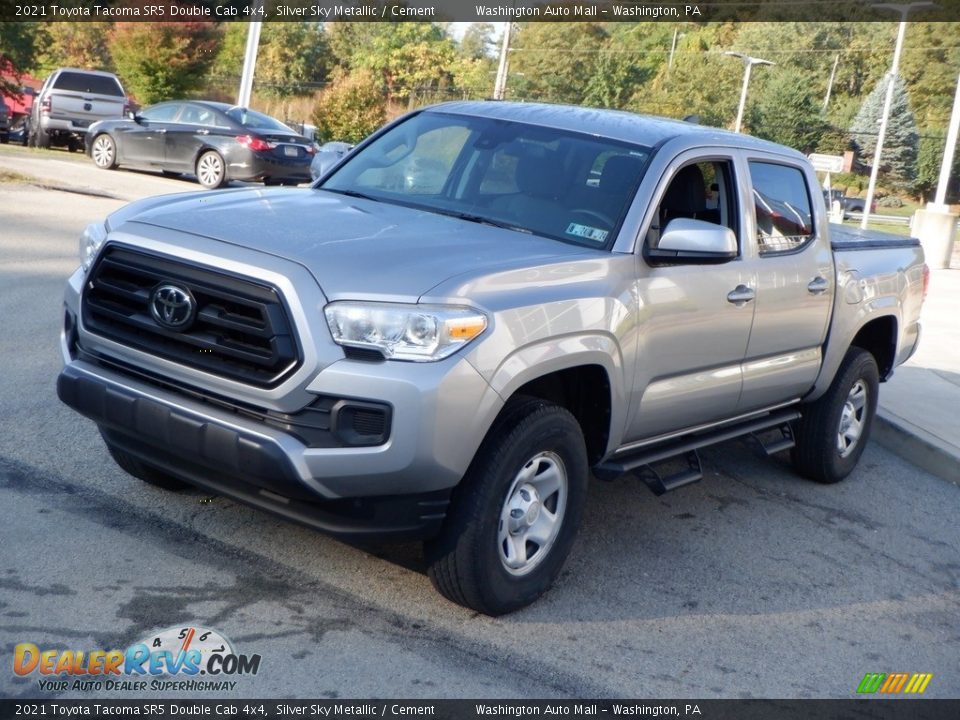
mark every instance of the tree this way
{"type": "Point", "coordinates": [477, 42]}
{"type": "Point", "coordinates": [18, 43]}
{"type": "Point", "coordinates": [351, 108]}
{"type": "Point", "coordinates": [162, 60]}
{"type": "Point", "coordinates": [554, 61]}
{"type": "Point", "coordinates": [929, 159]}
{"type": "Point", "coordinates": [292, 57]}
{"type": "Point", "coordinates": [899, 159]}
{"type": "Point", "coordinates": [786, 112]}
{"type": "Point", "coordinates": [76, 44]}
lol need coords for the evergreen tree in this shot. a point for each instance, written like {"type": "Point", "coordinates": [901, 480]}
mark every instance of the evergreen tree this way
{"type": "Point", "coordinates": [899, 158]}
{"type": "Point", "coordinates": [786, 112]}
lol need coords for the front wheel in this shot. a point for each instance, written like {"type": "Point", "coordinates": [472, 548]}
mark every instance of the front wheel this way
{"type": "Point", "coordinates": [833, 430]}
{"type": "Point", "coordinates": [104, 152]}
{"type": "Point", "coordinates": [516, 513]}
{"type": "Point", "coordinates": [211, 171]}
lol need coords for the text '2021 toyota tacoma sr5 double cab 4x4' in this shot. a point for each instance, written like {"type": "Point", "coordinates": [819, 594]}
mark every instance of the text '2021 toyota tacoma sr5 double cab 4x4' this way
{"type": "Point", "coordinates": [473, 310]}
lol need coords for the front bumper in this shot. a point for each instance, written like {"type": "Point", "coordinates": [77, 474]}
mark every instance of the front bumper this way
{"type": "Point", "coordinates": [208, 431]}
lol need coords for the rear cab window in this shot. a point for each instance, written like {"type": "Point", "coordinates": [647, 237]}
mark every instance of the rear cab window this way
{"type": "Point", "coordinates": [87, 83]}
{"type": "Point", "coordinates": [784, 215]}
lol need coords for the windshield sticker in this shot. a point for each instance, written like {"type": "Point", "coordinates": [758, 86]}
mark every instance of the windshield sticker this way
{"type": "Point", "coordinates": [585, 231]}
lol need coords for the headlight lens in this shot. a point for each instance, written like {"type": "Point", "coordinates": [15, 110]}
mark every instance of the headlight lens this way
{"type": "Point", "coordinates": [90, 243]}
{"type": "Point", "coordinates": [421, 333]}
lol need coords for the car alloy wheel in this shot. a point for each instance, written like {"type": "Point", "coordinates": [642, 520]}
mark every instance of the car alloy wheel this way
{"type": "Point", "coordinates": [210, 170]}
{"type": "Point", "coordinates": [104, 152]}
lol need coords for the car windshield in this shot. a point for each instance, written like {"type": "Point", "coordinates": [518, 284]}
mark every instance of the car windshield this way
{"type": "Point", "coordinates": [253, 120]}
{"type": "Point", "coordinates": [560, 184]}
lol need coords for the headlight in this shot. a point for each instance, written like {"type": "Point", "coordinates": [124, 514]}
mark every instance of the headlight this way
{"type": "Point", "coordinates": [90, 242]}
{"type": "Point", "coordinates": [420, 333]}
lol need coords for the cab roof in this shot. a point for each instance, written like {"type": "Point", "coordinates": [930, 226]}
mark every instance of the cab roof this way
{"type": "Point", "coordinates": [615, 124]}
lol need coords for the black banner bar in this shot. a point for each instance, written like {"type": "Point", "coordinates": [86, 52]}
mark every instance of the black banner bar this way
{"type": "Point", "coordinates": [873, 709]}
{"type": "Point", "coordinates": [466, 10]}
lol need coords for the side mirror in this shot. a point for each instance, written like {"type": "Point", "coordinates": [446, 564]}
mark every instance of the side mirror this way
{"type": "Point", "coordinates": [696, 240]}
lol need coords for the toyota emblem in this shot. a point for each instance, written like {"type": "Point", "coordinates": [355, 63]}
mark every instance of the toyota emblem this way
{"type": "Point", "coordinates": [172, 306]}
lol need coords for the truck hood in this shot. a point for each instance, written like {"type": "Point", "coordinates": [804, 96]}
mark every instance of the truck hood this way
{"type": "Point", "coordinates": [356, 248]}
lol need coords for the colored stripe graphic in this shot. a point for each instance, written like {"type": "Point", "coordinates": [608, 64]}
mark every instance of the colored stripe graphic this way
{"type": "Point", "coordinates": [894, 683]}
{"type": "Point", "coordinates": [918, 683]}
{"type": "Point", "coordinates": [871, 682]}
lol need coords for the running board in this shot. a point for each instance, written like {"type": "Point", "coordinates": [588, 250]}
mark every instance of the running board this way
{"type": "Point", "coordinates": [772, 447]}
{"type": "Point", "coordinates": [660, 484]}
{"type": "Point", "coordinates": [631, 462]}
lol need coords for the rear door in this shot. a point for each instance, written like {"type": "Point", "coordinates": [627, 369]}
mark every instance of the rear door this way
{"type": "Point", "coordinates": [84, 98]}
{"type": "Point", "coordinates": [790, 252]}
{"type": "Point", "coordinates": [196, 125]}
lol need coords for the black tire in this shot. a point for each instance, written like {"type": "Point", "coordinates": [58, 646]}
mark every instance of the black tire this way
{"type": "Point", "coordinates": [103, 151]}
{"type": "Point", "coordinates": [818, 454]}
{"type": "Point", "coordinates": [211, 170]}
{"type": "Point", "coordinates": [468, 561]}
{"type": "Point", "coordinates": [142, 471]}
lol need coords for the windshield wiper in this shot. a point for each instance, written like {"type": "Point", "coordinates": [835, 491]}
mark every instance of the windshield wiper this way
{"type": "Point", "coordinates": [480, 219]}
{"type": "Point", "coordinates": [352, 193]}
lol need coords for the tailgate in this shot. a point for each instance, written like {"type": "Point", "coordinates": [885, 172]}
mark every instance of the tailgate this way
{"type": "Point", "coordinates": [85, 109]}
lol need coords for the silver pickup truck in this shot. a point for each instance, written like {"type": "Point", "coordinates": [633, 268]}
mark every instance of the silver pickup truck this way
{"type": "Point", "coordinates": [477, 309]}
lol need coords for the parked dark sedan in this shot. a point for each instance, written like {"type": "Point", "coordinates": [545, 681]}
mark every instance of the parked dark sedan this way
{"type": "Point", "coordinates": [214, 141]}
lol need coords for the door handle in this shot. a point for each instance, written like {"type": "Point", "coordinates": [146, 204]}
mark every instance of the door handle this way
{"type": "Point", "coordinates": [161, 131]}
{"type": "Point", "coordinates": [203, 132]}
{"type": "Point", "coordinates": [818, 285]}
{"type": "Point", "coordinates": [740, 295]}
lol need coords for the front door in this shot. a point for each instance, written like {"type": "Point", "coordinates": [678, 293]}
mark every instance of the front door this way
{"type": "Point", "coordinates": [694, 318]}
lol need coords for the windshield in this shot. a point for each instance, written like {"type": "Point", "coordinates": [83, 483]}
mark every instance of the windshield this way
{"type": "Point", "coordinates": [559, 184]}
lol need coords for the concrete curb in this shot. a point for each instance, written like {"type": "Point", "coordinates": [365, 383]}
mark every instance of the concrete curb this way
{"type": "Point", "coordinates": [917, 446]}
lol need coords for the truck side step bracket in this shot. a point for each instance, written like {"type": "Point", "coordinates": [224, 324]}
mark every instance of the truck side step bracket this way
{"type": "Point", "coordinates": [660, 484]}
{"type": "Point", "coordinates": [772, 447]}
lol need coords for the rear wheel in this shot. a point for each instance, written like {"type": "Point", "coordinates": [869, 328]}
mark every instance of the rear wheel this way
{"type": "Point", "coordinates": [143, 471]}
{"type": "Point", "coordinates": [834, 429]}
{"type": "Point", "coordinates": [104, 152]}
{"type": "Point", "coordinates": [515, 515]}
{"type": "Point", "coordinates": [210, 170]}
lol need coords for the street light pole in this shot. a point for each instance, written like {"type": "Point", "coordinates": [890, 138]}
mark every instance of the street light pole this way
{"type": "Point", "coordinates": [249, 63]}
{"type": "Point", "coordinates": [748, 63]}
{"type": "Point", "coordinates": [904, 10]}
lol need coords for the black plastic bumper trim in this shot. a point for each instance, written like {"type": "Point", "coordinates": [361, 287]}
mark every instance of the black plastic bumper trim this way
{"type": "Point", "coordinates": [242, 466]}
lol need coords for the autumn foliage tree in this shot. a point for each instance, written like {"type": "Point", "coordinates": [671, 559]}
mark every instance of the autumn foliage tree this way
{"type": "Point", "coordinates": [162, 60]}
{"type": "Point", "coordinates": [351, 108]}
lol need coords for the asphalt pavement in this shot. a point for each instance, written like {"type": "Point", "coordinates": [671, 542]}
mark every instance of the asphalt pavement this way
{"type": "Point", "coordinates": [752, 583]}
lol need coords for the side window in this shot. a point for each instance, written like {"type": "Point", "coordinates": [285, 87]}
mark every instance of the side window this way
{"type": "Point", "coordinates": [198, 115]}
{"type": "Point", "coordinates": [699, 191]}
{"type": "Point", "coordinates": [782, 202]}
{"type": "Point", "coordinates": [161, 113]}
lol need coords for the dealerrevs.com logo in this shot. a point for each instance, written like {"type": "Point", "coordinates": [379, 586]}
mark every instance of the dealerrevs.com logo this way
{"type": "Point", "coordinates": [176, 659]}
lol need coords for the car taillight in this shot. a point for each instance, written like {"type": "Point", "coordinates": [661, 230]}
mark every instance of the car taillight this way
{"type": "Point", "coordinates": [310, 149]}
{"type": "Point", "coordinates": [255, 144]}
{"type": "Point", "coordinates": [46, 105]}
{"type": "Point", "coordinates": [926, 281]}
{"type": "Point", "coordinates": [126, 108]}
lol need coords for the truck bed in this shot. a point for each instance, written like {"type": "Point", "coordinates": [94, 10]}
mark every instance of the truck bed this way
{"type": "Point", "coordinates": [844, 237]}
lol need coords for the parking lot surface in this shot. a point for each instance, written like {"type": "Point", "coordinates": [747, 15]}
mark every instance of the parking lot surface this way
{"type": "Point", "coordinates": [752, 583]}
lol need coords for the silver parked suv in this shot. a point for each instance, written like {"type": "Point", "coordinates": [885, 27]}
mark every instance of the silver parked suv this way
{"type": "Point", "coordinates": [69, 102]}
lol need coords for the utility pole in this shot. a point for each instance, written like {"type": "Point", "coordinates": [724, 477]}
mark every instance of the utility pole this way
{"type": "Point", "coordinates": [748, 63]}
{"type": "Point", "coordinates": [673, 48]}
{"type": "Point", "coordinates": [500, 87]}
{"type": "Point", "coordinates": [904, 10]}
{"type": "Point", "coordinates": [833, 74]}
{"type": "Point", "coordinates": [940, 202]}
{"type": "Point", "coordinates": [249, 62]}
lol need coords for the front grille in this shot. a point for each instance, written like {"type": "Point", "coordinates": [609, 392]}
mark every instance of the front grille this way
{"type": "Point", "coordinates": [241, 330]}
